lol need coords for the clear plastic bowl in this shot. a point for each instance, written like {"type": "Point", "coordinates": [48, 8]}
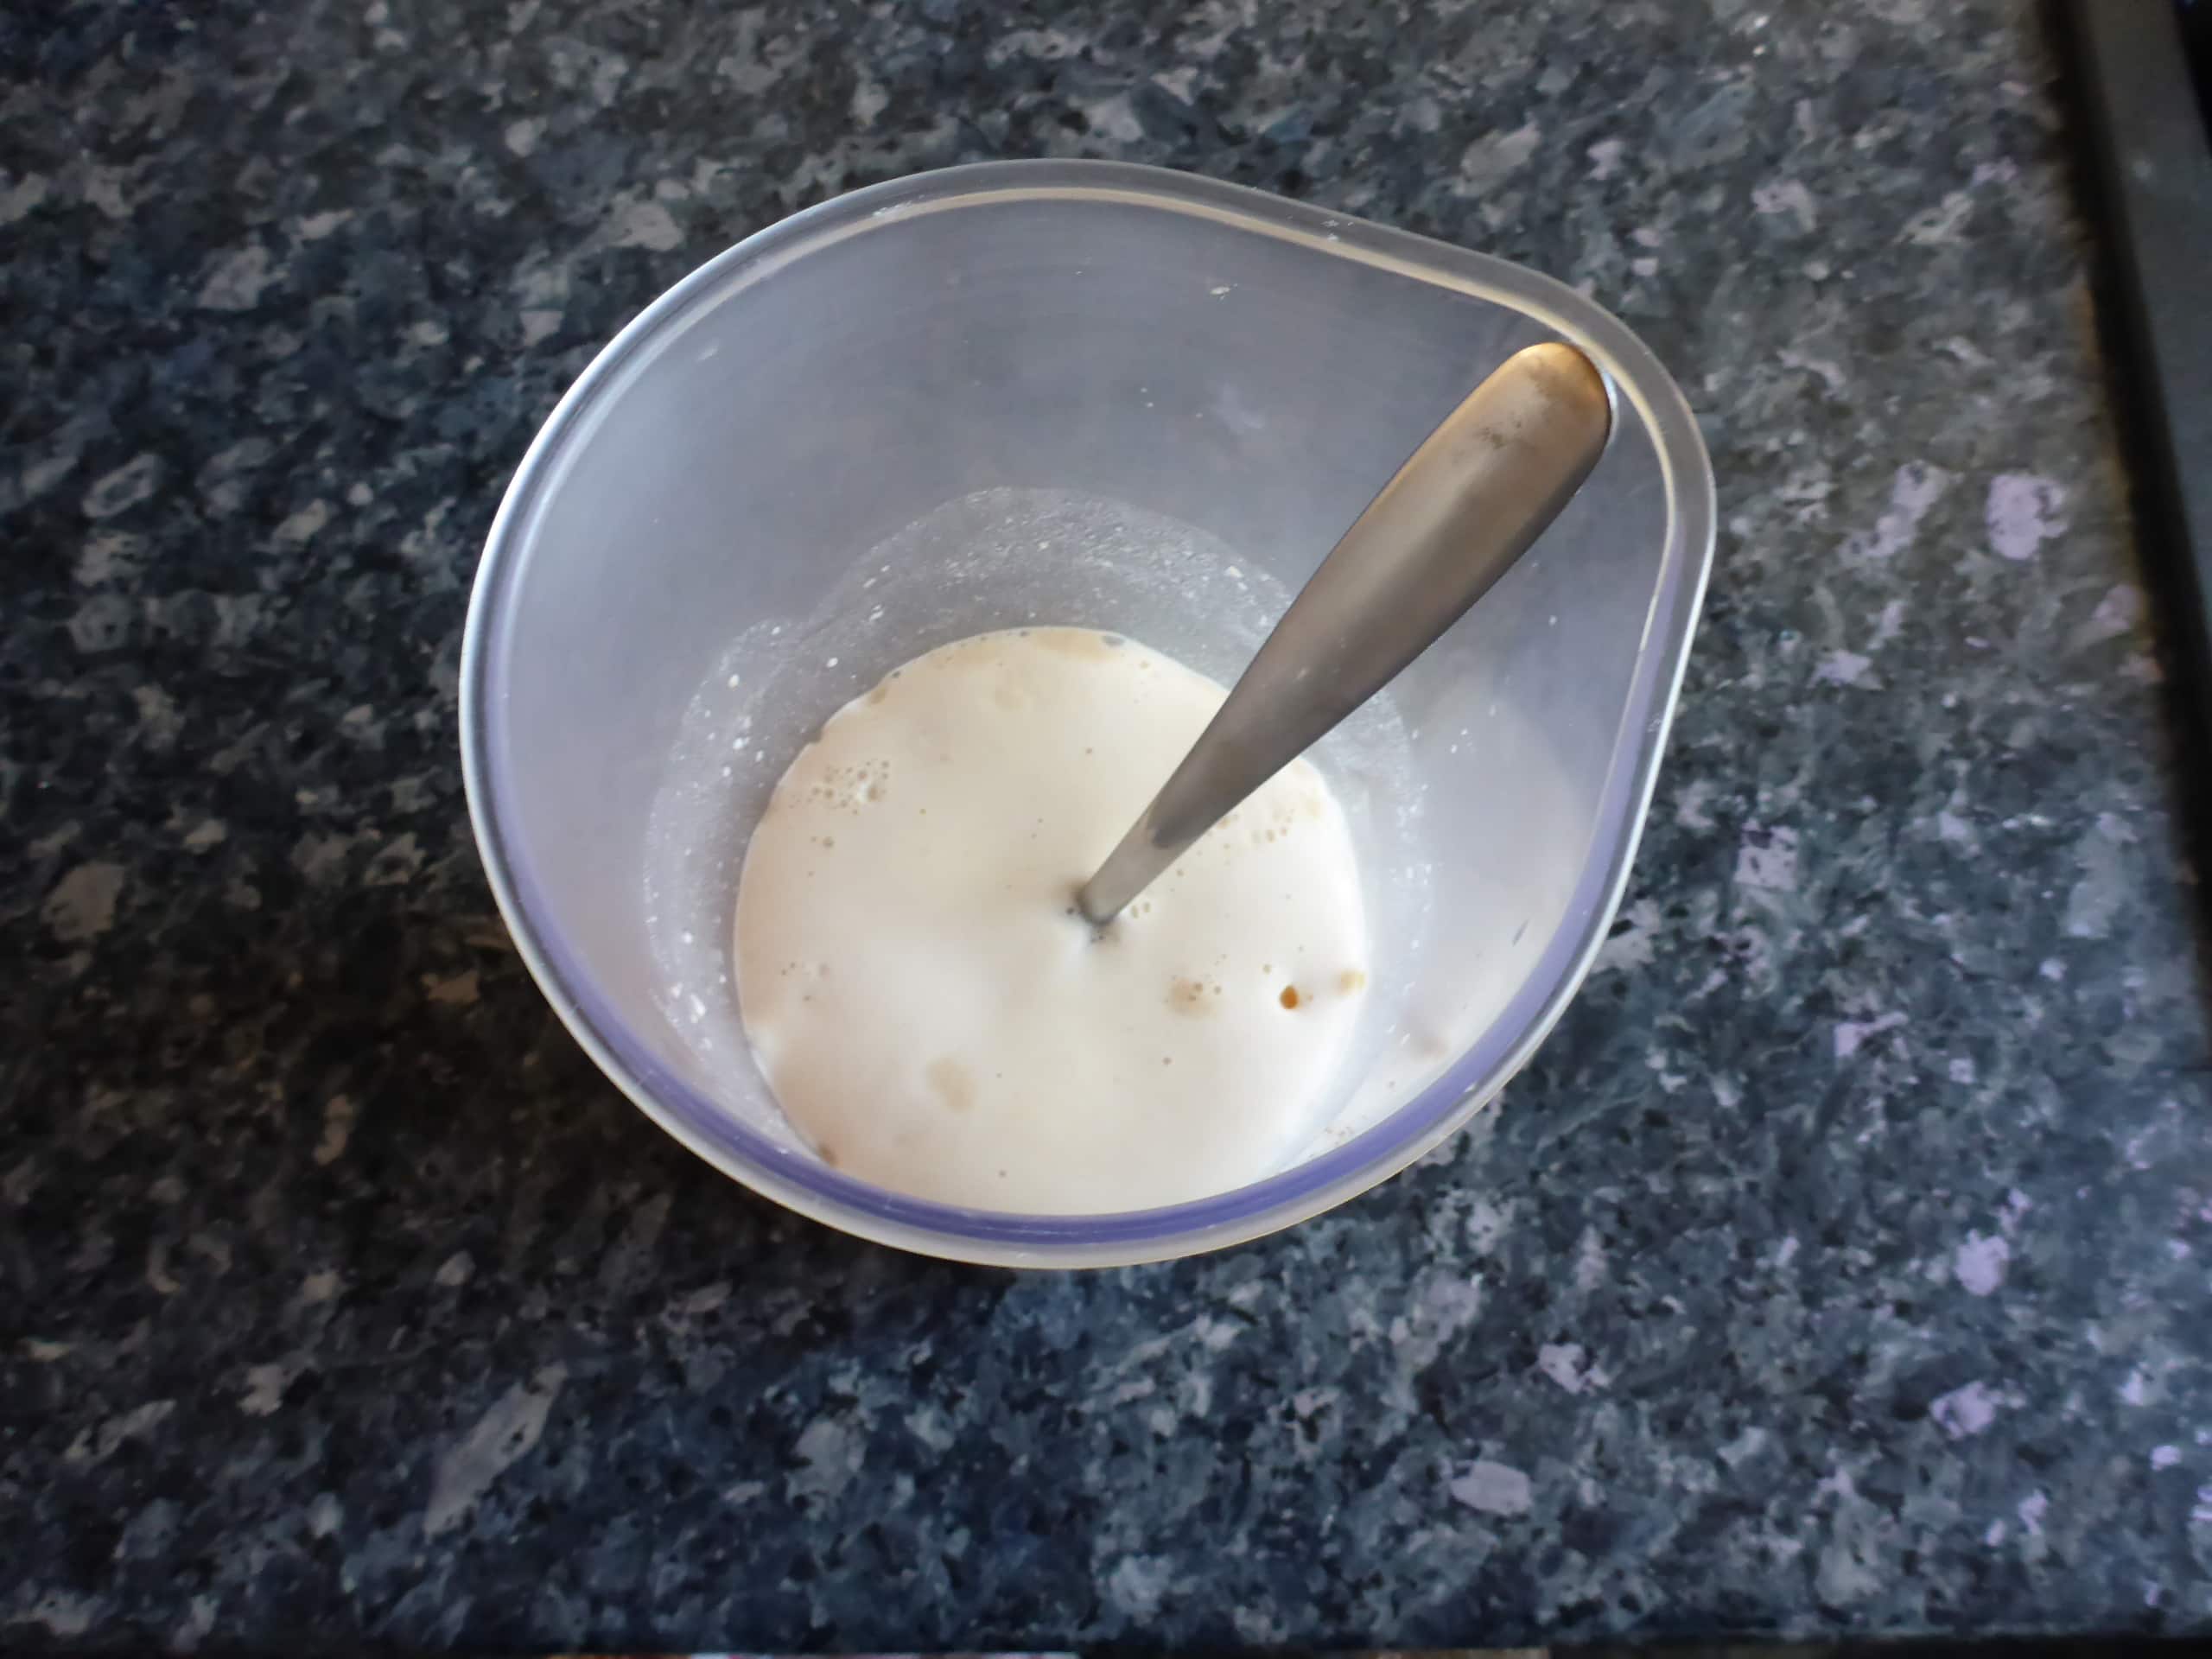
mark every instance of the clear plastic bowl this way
{"type": "Point", "coordinates": [935, 349]}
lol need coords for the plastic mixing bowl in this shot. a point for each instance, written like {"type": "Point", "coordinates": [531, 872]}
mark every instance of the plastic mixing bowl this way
{"type": "Point", "coordinates": [836, 442]}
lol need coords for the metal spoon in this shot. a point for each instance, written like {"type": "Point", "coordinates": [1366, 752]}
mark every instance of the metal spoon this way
{"type": "Point", "coordinates": [1481, 487]}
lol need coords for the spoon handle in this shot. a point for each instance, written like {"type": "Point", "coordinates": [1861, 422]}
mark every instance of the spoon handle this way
{"type": "Point", "coordinates": [1467, 503]}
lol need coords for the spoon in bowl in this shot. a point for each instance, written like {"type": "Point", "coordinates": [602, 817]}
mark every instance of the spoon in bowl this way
{"type": "Point", "coordinates": [1482, 486]}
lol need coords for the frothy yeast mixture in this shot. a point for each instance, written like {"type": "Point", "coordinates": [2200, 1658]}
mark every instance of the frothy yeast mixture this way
{"type": "Point", "coordinates": [933, 1014]}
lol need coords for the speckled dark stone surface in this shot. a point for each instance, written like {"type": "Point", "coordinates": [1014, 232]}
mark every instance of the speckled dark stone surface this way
{"type": "Point", "coordinates": [1839, 1265]}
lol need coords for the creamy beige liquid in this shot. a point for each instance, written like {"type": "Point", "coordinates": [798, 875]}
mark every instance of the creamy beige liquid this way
{"type": "Point", "coordinates": [931, 1013]}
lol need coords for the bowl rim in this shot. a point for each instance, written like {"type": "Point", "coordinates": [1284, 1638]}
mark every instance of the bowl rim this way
{"type": "Point", "coordinates": [1468, 1082]}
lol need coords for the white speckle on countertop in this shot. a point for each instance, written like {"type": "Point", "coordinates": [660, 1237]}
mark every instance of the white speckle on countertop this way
{"type": "Point", "coordinates": [502, 1436]}
{"type": "Point", "coordinates": [1965, 1411]}
{"type": "Point", "coordinates": [1981, 1263]}
{"type": "Point", "coordinates": [1493, 1488]}
{"type": "Point", "coordinates": [2023, 512]}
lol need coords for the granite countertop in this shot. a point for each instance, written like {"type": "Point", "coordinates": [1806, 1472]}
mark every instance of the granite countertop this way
{"type": "Point", "coordinates": [1834, 1268]}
